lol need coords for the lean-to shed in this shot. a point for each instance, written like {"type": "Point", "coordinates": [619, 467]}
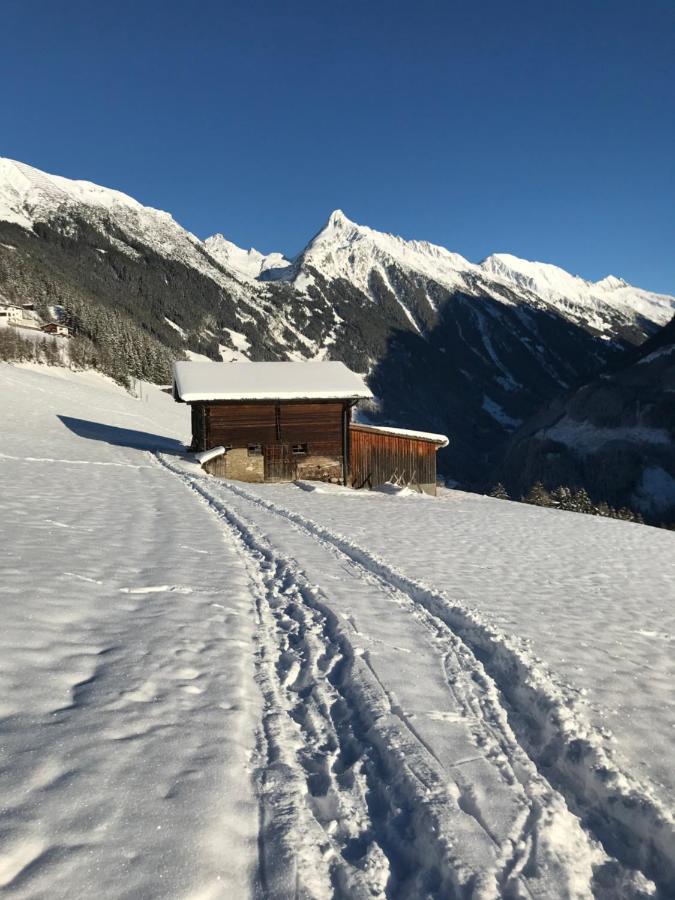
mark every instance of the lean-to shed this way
{"type": "Point", "coordinates": [380, 454]}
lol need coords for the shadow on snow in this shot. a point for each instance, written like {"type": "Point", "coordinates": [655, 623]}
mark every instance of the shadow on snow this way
{"type": "Point", "coordinates": [122, 437]}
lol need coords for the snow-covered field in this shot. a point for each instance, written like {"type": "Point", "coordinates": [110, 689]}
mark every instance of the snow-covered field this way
{"type": "Point", "coordinates": [212, 689]}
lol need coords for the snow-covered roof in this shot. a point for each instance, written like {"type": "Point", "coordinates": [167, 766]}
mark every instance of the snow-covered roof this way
{"type": "Point", "coordinates": [194, 381]}
{"type": "Point", "coordinates": [440, 439]}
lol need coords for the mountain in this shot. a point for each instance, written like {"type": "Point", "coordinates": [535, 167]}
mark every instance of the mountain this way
{"type": "Point", "coordinates": [471, 350]}
{"type": "Point", "coordinates": [249, 264]}
{"type": "Point", "coordinates": [372, 261]}
{"type": "Point", "coordinates": [614, 436]}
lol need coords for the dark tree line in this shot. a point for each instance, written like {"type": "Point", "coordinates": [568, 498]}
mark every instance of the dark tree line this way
{"type": "Point", "coordinates": [113, 343]}
{"type": "Point", "coordinates": [570, 499]}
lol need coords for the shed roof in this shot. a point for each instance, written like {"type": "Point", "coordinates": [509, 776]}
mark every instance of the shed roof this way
{"type": "Point", "coordinates": [194, 381]}
{"type": "Point", "coordinates": [441, 439]}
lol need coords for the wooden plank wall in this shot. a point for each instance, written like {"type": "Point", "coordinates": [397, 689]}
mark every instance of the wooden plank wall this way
{"type": "Point", "coordinates": [241, 424]}
{"type": "Point", "coordinates": [317, 424]}
{"type": "Point", "coordinates": [378, 458]}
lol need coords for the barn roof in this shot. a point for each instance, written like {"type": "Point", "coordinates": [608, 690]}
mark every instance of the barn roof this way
{"type": "Point", "coordinates": [194, 381]}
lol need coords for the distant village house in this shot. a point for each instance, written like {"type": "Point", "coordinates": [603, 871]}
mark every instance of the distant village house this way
{"type": "Point", "coordinates": [55, 328]}
{"type": "Point", "coordinates": [9, 314]}
{"type": "Point", "coordinates": [282, 421]}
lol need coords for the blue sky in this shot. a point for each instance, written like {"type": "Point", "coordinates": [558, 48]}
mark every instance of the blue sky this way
{"type": "Point", "coordinates": [542, 129]}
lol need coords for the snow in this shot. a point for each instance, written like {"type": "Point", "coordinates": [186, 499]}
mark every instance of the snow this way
{"type": "Point", "coordinates": [656, 354]}
{"type": "Point", "coordinates": [213, 690]}
{"type": "Point", "coordinates": [175, 327]}
{"type": "Point", "coordinates": [21, 186]}
{"type": "Point", "coordinates": [28, 195]}
{"type": "Point", "coordinates": [126, 656]}
{"type": "Point", "coordinates": [197, 357]}
{"type": "Point", "coordinates": [240, 341]}
{"type": "Point", "coordinates": [268, 381]}
{"type": "Point", "coordinates": [559, 288]}
{"type": "Point", "coordinates": [205, 455]}
{"type": "Point", "coordinates": [249, 264]}
{"type": "Point", "coordinates": [586, 438]}
{"type": "Point", "coordinates": [495, 410]}
{"type": "Point", "coordinates": [241, 344]}
{"type": "Point", "coordinates": [344, 249]}
{"type": "Point", "coordinates": [582, 607]}
{"type": "Point", "coordinates": [440, 439]}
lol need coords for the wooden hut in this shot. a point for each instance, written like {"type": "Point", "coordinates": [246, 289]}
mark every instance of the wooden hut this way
{"type": "Point", "coordinates": [277, 421]}
{"type": "Point", "coordinates": [380, 454]}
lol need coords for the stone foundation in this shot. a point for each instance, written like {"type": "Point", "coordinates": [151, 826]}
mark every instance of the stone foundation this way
{"type": "Point", "coordinates": [319, 468]}
{"type": "Point", "coordinates": [239, 466]}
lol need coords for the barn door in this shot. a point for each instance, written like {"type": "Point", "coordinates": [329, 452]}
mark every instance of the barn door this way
{"type": "Point", "coordinates": [278, 463]}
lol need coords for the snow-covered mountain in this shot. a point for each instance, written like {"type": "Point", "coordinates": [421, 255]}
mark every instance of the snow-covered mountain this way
{"type": "Point", "coordinates": [468, 349]}
{"type": "Point", "coordinates": [248, 264]}
{"type": "Point", "coordinates": [343, 249]}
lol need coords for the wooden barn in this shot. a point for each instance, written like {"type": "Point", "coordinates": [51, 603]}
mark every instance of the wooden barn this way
{"type": "Point", "coordinates": [282, 421]}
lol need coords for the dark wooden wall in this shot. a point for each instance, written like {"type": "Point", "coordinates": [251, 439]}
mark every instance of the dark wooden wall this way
{"type": "Point", "coordinates": [376, 458]}
{"type": "Point", "coordinates": [241, 424]}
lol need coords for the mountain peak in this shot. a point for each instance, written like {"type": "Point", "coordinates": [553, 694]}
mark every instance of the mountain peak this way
{"type": "Point", "coordinates": [612, 282]}
{"type": "Point", "coordinates": [338, 219]}
{"type": "Point", "coordinates": [247, 263]}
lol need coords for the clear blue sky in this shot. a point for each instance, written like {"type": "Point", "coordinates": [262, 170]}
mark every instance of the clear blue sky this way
{"type": "Point", "coordinates": [545, 129]}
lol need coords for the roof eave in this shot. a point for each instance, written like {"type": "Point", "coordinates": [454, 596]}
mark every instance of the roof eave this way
{"type": "Point", "coordinates": [188, 397]}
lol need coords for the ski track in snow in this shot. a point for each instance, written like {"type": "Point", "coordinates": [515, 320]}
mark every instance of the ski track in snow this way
{"type": "Point", "coordinates": [460, 809]}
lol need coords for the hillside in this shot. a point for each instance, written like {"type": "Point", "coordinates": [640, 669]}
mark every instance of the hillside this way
{"type": "Point", "coordinates": [213, 689]}
{"type": "Point", "coordinates": [471, 350]}
{"type": "Point", "coordinates": [614, 436]}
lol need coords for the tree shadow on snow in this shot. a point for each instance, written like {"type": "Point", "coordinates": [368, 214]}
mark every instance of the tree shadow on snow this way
{"type": "Point", "coordinates": [122, 437]}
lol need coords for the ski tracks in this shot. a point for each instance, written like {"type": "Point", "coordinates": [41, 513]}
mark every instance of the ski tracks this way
{"type": "Point", "coordinates": [387, 763]}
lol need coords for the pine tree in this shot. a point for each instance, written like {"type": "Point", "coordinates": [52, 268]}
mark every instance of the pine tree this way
{"type": "Point", "coordinates": [538, 495]}
{"type": "Point", "coordinates": [499, 492]}
{"type": "Point", "coordinates": [581, 502]}
{"type": "Point", "coordinates": [561, 497]}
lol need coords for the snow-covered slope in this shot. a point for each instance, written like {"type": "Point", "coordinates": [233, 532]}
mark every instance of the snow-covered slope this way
{"type": "Point", "coordinates": [28, 195]}
{"type": "Point", "coordinates": [578, 299]}
{"type": "Point", "coordinates": [215, 690]}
